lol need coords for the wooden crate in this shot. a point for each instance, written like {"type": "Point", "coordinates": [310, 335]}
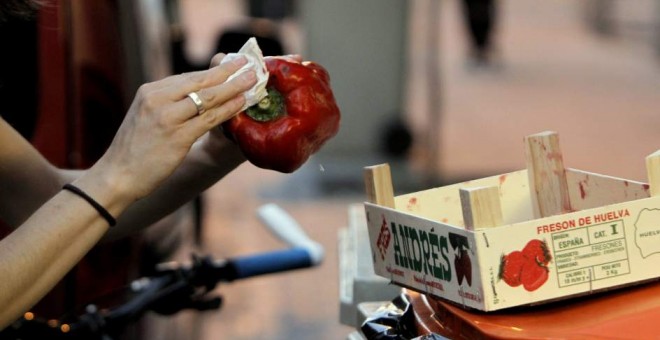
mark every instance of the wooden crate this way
{"type": "Point", "coordinates": [531, 236]}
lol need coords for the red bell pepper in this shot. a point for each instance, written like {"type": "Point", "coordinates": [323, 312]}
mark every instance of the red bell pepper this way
{"type": "Point", "coordinates": [290, 124]}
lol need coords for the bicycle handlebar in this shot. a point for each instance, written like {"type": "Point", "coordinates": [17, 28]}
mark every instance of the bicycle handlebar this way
{"type": "Point", "coordinates": [272, 262]}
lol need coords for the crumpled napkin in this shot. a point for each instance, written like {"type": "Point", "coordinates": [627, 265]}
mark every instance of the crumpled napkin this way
{"type": "Point", "coordinates": [255, 61]}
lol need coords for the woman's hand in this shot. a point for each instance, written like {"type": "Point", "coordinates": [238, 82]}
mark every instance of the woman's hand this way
{"type": "Point", "coordinates": [163, 123]}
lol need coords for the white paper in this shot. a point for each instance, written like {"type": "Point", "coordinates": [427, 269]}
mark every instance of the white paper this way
{"type": "Point", "coordinates": [255, 61]}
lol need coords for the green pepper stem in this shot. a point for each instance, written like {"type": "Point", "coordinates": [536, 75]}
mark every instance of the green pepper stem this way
{"type": "Point", "coordinates": [269, 108]}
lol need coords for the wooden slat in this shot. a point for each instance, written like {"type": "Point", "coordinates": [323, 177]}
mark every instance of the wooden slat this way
{"type": "Point", "coordinates": [653, 172]}
{"type": "Point", "coordinates": [481, 207]}
{"type": "Point", "coordinates": [378, 182]}
{"type": "Point", "coordinates": [547, 176]}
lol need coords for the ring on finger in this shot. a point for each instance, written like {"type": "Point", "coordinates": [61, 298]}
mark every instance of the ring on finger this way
{"type": "Point", "coordinates": [197, 100]}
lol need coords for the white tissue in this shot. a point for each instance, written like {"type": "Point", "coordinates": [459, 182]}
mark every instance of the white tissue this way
{"type": "Point", "coordinates": [255, 61]}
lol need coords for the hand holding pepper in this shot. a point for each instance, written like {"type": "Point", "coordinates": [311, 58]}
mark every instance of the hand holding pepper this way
{"type": "Point", "coordinates": [296, 118]}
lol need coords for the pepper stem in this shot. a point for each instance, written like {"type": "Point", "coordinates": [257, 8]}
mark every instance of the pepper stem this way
{"type": "Point", "coordinates": [264, 103]}
{"type": "Point", "coordinates": [269, 108]}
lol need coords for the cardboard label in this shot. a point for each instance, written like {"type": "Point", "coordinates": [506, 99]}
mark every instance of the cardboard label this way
{"type": "Point", "coordinates": [521, 263]}
{"type": "Point", "coordinates": [417, 253]}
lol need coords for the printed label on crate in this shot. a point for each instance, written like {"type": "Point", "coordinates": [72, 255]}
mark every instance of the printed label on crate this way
{"type": "Point", "coordinates": [521, 263]}
{"type": "Point", "coordinates": [647, 232]}
{"type": "Point", "coordinates": [576, 253]}
{"type": "Point", "coordinates": [593, 253]}
{"type": "Point", "coordinates": [415, 253]}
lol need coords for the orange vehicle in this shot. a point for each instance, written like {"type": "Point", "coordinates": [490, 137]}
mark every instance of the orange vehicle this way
{"type": "Point", "coordinates": [629, 313]}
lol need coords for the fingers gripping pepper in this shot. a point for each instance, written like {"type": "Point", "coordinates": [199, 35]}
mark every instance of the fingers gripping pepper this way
{"type": "Point", "coordinates": [296, 118]}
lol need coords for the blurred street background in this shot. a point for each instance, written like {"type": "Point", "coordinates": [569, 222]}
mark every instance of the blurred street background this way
{"type": "Point", "coordinates": [589, 70]}
{"type": "Point", "coordinates": [414, 89]}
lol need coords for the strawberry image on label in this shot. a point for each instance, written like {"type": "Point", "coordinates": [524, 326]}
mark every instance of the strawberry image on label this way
{"type": "Point", "coordinates": [511, 267]}
{"type": "Point", "coordinates": [537, 250]}
{"type": "Point", "coordinates": [462, 262]}
{"type": "Point", "coordinates": [533, 275]}
{"type": "Point", "coordinates": [528, 267]}
{"type": "Point", "coordinates": [463, 266]}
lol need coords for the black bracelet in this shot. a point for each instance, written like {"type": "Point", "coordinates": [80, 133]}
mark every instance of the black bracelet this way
{"type": "Point", "coordinates": [111, 220]}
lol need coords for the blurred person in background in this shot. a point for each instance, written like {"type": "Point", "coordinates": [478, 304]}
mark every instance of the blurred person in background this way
{"type": "Point", "coordinates": [263, 22]}
{"type": "Point", "coordinates": [480, 17]}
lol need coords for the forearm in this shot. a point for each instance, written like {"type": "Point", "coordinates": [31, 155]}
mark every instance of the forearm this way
{"type": "Point", "coordinates": [198, 172]}
{"type": "Point", "coordinates": [51, 241]}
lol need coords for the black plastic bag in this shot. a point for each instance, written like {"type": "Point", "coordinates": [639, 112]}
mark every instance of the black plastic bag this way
{"type": "Point", "coordinates": [394, 321]}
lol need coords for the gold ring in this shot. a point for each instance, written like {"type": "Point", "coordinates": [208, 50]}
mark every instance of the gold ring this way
{"type": "Point", "coordinates": [197, 100]}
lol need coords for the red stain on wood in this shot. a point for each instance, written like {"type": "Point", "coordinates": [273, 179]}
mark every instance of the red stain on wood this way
{"type": "Point", "coordinates": [583, 193]}
{"type": "Point", "coordinates": [412, 202]}
{"type": "Point", "coordinates": [556, 156]}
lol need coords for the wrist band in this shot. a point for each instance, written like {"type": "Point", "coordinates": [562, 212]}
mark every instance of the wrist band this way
{"type": "Point", "coordinates": [104, 213]}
